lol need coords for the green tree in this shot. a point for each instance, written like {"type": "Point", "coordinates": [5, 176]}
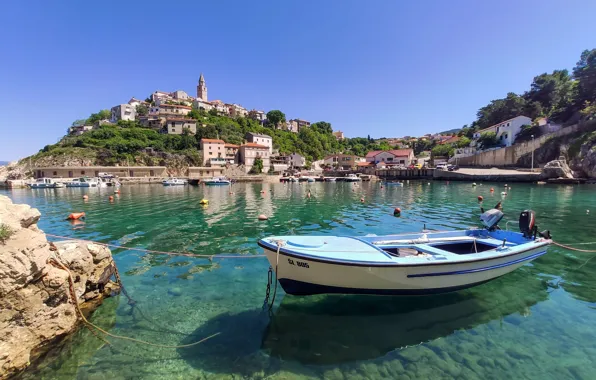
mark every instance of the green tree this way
{"type": "Point", "coordinates": [442, 151]}
{"type": "Point", "coordinates": [257, 166]}
{"type": "Point", "coordinates": [585, 73]}
{"type": "Point", "coordinates": [488, 140]}
{"type": "Point", "coordinates": [275, 117]}
{"type": "Point", "coordinates": [322, 127]}
{"type": "Point", "coordinates": [142, 110]}
{"type": "Point", "coordinates": [463, 142]}
{"type": "Point", "coordinates": [79, 122]}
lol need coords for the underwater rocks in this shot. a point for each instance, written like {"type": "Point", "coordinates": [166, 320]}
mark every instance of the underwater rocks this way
{"type": "Point", "coordinates": [36, 310]}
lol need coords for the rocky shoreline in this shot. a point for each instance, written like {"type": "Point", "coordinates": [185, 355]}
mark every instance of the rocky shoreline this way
{"type": "Point", "coordinates": [37, 309]}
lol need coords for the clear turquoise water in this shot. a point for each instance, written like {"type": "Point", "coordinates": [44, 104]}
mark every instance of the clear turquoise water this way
{"type": "Point", "coordinates": [536, 323]}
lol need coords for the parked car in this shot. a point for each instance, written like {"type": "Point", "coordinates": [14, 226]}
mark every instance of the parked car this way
{"type": "Point", "coordinates": [441, 166]}
{"type": "Point", "coordinates": [452, 167]}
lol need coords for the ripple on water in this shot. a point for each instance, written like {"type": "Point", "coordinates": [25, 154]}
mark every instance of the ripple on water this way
{"type": "Point", "coordinates": [537, 322]}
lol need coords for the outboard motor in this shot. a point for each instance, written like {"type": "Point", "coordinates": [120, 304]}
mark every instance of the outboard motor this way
{"type": "Point", "coordinates": [527, 221]}
{"type": "Point", "coordinates": [491, 218]}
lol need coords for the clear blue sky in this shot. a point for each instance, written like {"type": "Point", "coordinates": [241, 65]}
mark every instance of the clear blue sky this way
{"type": "Point", "coordinates": [384, 68]}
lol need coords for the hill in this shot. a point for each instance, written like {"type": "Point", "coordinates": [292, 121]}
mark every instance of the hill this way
{"type": "Point", "coordinates": [126, 143]}
{"type": "Point", "coordinates": [451, 131]}
{"type": "Point", "coordinates": [4, 163]}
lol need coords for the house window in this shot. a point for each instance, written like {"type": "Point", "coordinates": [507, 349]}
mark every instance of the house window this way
{"type": "Point", "coordinates": [55, 173]}
{"type": "Point", "coordinates": [82, 172]}
{"type": "Point", "coordinates": [70, 174]}
{"type": "Point", "coordinates": [505, 135]}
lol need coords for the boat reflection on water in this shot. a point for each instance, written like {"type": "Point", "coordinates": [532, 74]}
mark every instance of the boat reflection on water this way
{"type": "Point", "coordinates": [335, 329]}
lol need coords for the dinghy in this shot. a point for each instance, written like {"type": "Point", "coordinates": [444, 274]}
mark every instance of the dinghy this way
{"type": "Point", "coordinates": [408, 264]}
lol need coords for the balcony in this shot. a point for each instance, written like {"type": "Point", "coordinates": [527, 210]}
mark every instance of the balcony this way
{"type": "Point", "coordinates": [218, 161]}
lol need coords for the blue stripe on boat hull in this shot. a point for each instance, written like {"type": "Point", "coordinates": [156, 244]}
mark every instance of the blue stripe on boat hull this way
{"type": "Point", "coordinates": [531, 257]}
{"type": "Point", "coordinates": [299, 288]}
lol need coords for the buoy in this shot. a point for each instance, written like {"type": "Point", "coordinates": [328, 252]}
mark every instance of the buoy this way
{"type": "Point", "coordinates": [492, 190]}
{"type": "Point", "coordinates": [204, 201]}
{"type": "Point", "coordinates": [76, 215]}
{"type": "Point", "coordinates": [503, 193]}
{"type": "Point", "coordinates": [111, 198]}
{"type": "Point", "coordinates": [85, 197]}
{"type": "Point", "coordinates": [429, 184]}
{"type": "Point", "coordinates": [480, 198]}
{"type": "Point", "coordinates": [397, 211]}
{"type": "Point", "coordinates": [587, 211]}
{"type": "Point", "coordinates": [263, 217]}
{"type": "Point", "coordinates": [116, 191]}
{"type": "Point", "coordinates": [505, 185]}
{"type": "Point", "coordinates": [474, 184]}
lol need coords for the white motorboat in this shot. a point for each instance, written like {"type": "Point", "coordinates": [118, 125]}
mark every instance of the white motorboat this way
{"type": "Point", "coordinates": [352, 178]}
{"type": "Point", "coordinates": [217, 181]}
{"type": "Point", "coordinates": [83, 182]}
{"type": "Point", "coordinates": [330, 179]}
{"type": "Point", "coordinates": [46, 183]}
{"type": "Point", "coordinates": [409, 264]}
{"type": "Point", "coordinates": [173, 182]}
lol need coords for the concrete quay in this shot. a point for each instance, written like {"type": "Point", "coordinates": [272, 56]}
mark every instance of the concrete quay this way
{"type": "Point", "coordinates": [486, 175]}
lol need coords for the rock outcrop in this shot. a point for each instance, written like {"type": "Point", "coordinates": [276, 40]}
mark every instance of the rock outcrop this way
{"type": "Point", "coordinates": [36, 309]}
{"type": "Point", "coordinates": [556, 169]}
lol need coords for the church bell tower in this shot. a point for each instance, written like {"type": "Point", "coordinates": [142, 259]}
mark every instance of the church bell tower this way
{"type": "Point", "coordinates": [202, 89]}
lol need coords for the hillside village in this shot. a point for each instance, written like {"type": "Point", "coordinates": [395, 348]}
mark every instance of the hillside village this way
{"type": "Point", "coordinates": [176, 130]}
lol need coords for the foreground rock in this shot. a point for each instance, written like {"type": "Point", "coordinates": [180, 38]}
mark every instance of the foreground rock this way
{"type": "Point", "coordinates": [36, 309]}
{"type": "Point", "coordinates": [556, 169]}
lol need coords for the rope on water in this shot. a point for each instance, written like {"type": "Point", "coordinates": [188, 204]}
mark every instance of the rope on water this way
{"type": "Point", "coordinates": [210, 257]}
{"type": "Point", "coordinates": [574, 249]}
{"type": "Point", "coordinates": [56, 262]}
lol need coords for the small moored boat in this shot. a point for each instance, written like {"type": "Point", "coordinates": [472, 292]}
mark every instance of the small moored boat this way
{"type": "Point", "coordinates": [83, 182]}
{"type": "Point", "coordinates": [330, 179]}
{"type": "Point", "coordinates": [352, 178]}
{"type": "Point", "coordinates": [46, 183]}
{"type": "Point", "coordinates": [173, 182]}
{"type": "Point", "coordinates": [217, 181]}
{"type": "Point", "coordinates": [408, 264]}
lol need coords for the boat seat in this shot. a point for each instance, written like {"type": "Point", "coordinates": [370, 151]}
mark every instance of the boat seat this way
{"type": "Point", "coordinates": [403, 252]}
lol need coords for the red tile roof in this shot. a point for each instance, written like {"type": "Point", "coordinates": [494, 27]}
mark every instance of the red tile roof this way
{"type": "Point", "coordinates": [254, 145]}
{"type": "Point", "coordinates": [373, 153]}
{"type": "Point", "coordinates": [401, 152]}
{"type": "Point", "coordinates": [232, 146]}
{"type": "Point", "coordinates": [216, 141]}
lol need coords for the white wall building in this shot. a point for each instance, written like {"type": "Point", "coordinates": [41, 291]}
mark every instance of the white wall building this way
{"type": "Point", "coordinates": [260, 139]}
{"type": "Point", "coordinates": [296, 160]}
{"type": "Point", "coordinates": [251, 151]}
{"type": "Point", "coordinates": [123, 112]}
{"type": "Point", "coordinates": [507, 130]}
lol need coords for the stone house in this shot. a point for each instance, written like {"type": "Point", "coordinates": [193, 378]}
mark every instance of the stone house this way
{"type": "Point", "coordinates": [214, 152]}
{"type": "Point", "coordinates": [251, 151]}
{"type": "Point", "coordinates": [260, 139]}
{"type": "Point", "coordinates": [123, 112]}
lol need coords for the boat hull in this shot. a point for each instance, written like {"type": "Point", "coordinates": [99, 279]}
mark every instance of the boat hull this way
{"type": "Point", "coordinates": [306, 276]}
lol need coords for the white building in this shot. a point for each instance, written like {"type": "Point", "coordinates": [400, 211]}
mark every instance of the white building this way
{"type": "Point", "coordinates": [177, 125]}
{"type": "Point", "coordinates": [296, 160]}
{"type": "Point", "coordinates": [236, 110]}
{"type": "Point", "coordinates": [251, 151]}
{"type": "Point", "coordinates": [123, 112]}
{"type": "Point", "coordinates": [260, 139]}
{"type": "Point", "coordinates": [507, 130]}
{"type": "Point", "coordinates": [202, 104]}
{"type": "Point", "coordinates": [403, 157]}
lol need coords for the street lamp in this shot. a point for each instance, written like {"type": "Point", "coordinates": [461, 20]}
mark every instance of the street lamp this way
{"type": "Point", "coordinates": [532, 153]}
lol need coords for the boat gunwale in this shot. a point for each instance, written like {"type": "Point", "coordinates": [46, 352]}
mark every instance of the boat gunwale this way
{"type": "Point", "coordinates": [285, 252]}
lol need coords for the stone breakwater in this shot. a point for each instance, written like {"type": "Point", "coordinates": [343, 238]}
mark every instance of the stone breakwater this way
{"type": "Point", "coordinates": [36, 307]}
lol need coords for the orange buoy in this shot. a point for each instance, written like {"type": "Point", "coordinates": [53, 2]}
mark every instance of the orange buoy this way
{"type": "Point", "coordinates": [397, 211]}
{"type": "Point", "coordinates": [116, 191]}
{"type": "Point", "coordinates": [111, 198]}
{"type": "Point", "coordinates": [492, 190]}
{"type": "Point", "coordinates": [76, 215]}
{"type": "Point", "coordinates": [480, 198]}
{"type": "Point", "coordinates": [263, 217]}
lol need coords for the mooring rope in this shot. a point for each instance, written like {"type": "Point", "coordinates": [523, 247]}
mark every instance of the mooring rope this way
{"type": "Point", "coordinates": [574, 249]}
{"type": "Point", "coordinates": [227, 256]}
{"type": "Point", "coordinates": [56, 262]}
